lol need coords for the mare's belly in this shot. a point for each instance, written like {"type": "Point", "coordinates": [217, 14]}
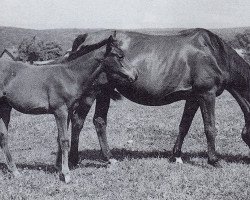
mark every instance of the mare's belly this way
{"type": "Point", "coordinates": [155, 97]}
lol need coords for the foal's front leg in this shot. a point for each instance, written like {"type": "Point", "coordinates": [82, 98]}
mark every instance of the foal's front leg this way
{"type": "Point", "coordinates": [61, 116]}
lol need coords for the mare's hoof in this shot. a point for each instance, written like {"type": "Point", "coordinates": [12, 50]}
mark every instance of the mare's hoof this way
{"type": "Point", "coordinates": [214, 163]}
{"type": "Point", "coordinates": [73, 163]}
{"type": "Point", "coordinates": [176, 160]}
{"type": "Point", "coordinates": [112, 161]}
{"type": "Point", "coordinates": [73, 160]}
{"type": "Point", "coordinates": [172, 159]}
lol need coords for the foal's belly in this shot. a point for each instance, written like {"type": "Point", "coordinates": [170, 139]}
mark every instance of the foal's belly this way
{"type": "Point", "coordinates": [27, 98]}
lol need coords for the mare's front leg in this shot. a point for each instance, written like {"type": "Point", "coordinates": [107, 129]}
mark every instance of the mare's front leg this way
{"type": "Point", "coordinates": [61, 116]}
{"type": "Point", "coordinates": [77, 120]}
{"type": "Point", "coordinates": [4, 122]}
{"type": "Point", "coordinates": [100, 122]}
{"type": "Point", "coordinates": [207, 105]}
{"type": "Point", "coordinates": [190, 109]}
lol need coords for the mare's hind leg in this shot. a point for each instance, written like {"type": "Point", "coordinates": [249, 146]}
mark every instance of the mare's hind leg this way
{"type": "Point", "coordinates": [77, 120]}
{"type": "Point", "coordinates": [245, 135]}
{"type": "Point", "coordinates": [100, 122]}
{"type": "Point", "coordinates": [190, 109]}
{"type": "Point", "coordinates": [207, 105]}
{"type": "Point", "coordinates": [4, 122]}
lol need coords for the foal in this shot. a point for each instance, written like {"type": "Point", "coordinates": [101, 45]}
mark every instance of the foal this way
{"type": "Point", "coordinates": [56, 89]}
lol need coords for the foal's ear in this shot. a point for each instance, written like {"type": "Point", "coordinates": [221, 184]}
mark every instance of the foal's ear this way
{"type": "Point", "coordinates": [102, 79]}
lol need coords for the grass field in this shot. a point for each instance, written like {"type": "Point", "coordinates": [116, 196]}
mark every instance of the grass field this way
{"type": "Point", "coordinates": [141, 139]}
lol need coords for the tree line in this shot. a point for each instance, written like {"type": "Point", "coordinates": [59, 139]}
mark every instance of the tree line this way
{"type": "Point", "coordinates": [33, 49]}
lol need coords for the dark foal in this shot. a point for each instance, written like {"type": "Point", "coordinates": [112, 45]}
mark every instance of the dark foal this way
{"type": "Point", "coordinates": [60, 89]}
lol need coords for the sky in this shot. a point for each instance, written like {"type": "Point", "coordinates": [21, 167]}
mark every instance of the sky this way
{"type": "Point", "coordinates": [127, 14]}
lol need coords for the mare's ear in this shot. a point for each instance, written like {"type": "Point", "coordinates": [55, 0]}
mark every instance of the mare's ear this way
{"type": "Point", "coordinates": [102, 79]}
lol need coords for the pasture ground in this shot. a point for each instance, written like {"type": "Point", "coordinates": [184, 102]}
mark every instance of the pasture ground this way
{"type": "Point", "coordinates": [141, 139]}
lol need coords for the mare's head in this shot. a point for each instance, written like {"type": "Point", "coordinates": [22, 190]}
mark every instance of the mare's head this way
{"type": "Point", "coordinates": [115, 64]}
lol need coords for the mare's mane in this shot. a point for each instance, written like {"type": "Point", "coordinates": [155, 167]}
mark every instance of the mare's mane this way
{"type": "Point", "coordinates": [84, 49]}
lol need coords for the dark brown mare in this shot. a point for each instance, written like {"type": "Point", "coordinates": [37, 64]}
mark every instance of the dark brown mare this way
{"type": "Point", "coordinates": [61, 90]}
{"type": "Point", "coordinates": [194, 65]}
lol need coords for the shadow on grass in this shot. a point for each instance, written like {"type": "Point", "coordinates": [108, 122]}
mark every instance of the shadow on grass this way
{"type": "Point", "coordinates": [94, 159]}
{"type": "Point", "coordinates": [36, 166]}
{"type": "Point", "coordinates": [121, 154]}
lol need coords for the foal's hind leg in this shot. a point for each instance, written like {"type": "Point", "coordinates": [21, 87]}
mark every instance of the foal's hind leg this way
{"type": "Point", "coordinates": [61, 116]}
{"type": "Point", "coordinates": [100, 122]}
{"type": "Point", "coordinates": [190, 109]}
{"type": "Point", "coordinates": [4, 122]}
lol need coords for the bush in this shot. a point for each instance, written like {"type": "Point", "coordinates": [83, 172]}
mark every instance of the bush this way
{"type": "Point", "coordinates": [31, 49]}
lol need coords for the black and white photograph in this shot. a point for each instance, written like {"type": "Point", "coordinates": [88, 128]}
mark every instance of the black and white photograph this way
{"type": "Point", "coordinates": [125, 100]}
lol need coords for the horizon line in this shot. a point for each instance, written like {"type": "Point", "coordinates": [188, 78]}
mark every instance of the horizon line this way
{"type": "Point", "coordinates": [143, 28]}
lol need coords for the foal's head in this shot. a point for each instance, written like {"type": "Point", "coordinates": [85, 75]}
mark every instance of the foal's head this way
{"type": "Point", "coordinates": [116, 65]}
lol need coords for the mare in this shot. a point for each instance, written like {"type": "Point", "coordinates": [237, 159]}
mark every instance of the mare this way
{"type": "Point", "coordinates": [194, 65]}
{"type": "Point", "coordinates": [59, 89]}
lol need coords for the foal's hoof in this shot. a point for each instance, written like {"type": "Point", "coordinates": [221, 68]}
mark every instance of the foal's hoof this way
{"type": "Point", "coordinates": [66, 178]}
{"type": "Point", "coordinates": [16, 174]}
